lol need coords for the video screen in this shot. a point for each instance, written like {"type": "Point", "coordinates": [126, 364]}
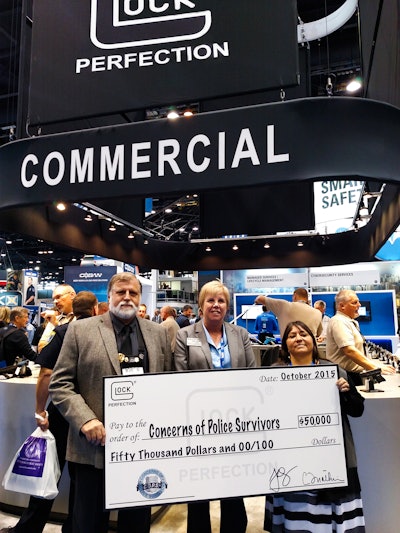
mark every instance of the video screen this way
{"type": "Point", "coordinates": [364, 312]}
{"type": "Point", "coordinates": [251, 312]}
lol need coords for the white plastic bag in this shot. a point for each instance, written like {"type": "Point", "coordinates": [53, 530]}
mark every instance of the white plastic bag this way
{"type": "Point", "coordinates": [34, 469]}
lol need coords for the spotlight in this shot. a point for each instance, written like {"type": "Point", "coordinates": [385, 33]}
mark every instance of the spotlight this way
{"type": "Point", "coordinates": [267, 245]}
{"type": "Point", "coordinates": [354, 85]}
{"type": "Point", "coordinates": [300, 244]}
{"type": "Point", "coordinates": [61, 206]}
{"type": "Point", "coordinates": [131, 235]}
{"type": "Point", "coordinates": [208, 249]}
{"type": "Point", "coordinates": [88, 217]}
{"type": "Point", "coordinates": [145, 241]}
{"type": "Point", "coordinates": [235, 247]}
{"type": "Point", "coordinates": [172, 114]}
{"type": "Point", "coordinates": [112, 228]}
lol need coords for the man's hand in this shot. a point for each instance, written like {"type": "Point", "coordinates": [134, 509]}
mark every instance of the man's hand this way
{"type": "Point", "coordinates": [42, 420]}
{"type": "Point", "coordinates": [387, 369]}
{"type": "Point", "coordinates": [94, 432]}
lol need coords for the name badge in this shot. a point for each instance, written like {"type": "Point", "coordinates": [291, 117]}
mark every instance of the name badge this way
{"type": "Point", "coordinates": [193, 341]}
{"type": "Point", "coordinates": [132, 370]}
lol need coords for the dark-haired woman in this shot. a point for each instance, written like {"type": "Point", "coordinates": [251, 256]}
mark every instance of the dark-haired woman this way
{"type": "Point", "coordinates": [327, 510]}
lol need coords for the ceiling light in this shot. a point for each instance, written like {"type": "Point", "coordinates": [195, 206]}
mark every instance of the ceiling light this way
{"type": "Point", "coordinates": [61, 206]}
{"type": "Point", "coordinates": [8, 242]}
{"type": "Point", "coordinates": [88, 217]}
{"type": "Point", "coordinates": [354, 85]}
{"type": "Point", "coordinates": [300, 244]}
{"type": "Point", "coordinates": [131, 235]}
{"type": "Point", "coordinates": [168, 210]}
{"type": "Point", "coordinates": [188, 113]}
{"type": "Point", "coordinates": [267, 245]}
{"type": "Point", "coordinates": [145, 241]}
{"type": "Point", "coordinates": [172, 114]}
{"type": "Point", "coordinates": [208, 249]}
{"type": "Point", "coordinates": [235, 247]}
{"type": "Point", "coordinates": [112, 228]}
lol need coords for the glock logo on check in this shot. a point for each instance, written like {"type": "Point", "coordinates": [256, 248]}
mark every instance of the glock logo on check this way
{"type": "Point", "coordinates": [123, 390]}
{"type": "Point", "coordinates": [122, 24]}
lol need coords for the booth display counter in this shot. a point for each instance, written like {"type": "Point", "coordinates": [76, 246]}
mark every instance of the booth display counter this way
{"type": "Point", "coordinates": [17, 410]}
{"type": "Point", "coordinates": [376, 435]}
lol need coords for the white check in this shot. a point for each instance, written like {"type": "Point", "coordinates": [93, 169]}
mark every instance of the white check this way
{"type": "Point", "coordinates": [185, 436]}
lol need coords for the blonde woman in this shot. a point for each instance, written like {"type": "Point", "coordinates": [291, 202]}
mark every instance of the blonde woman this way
{"type": "Point", "coordinates": [213, 344]}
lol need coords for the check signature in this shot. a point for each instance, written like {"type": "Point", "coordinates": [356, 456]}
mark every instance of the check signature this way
{"type": "Point", "coordinates": [280, 478]}
{"type": "Point", "coordinates": [326, 477]}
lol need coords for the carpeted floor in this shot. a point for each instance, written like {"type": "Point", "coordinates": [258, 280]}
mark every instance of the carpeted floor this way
{"type": "Point", "coordinates": [174, 519]}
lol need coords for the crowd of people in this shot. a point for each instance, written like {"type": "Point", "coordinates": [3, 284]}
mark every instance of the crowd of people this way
{"type": "Point", "coordinates": [82, 341]}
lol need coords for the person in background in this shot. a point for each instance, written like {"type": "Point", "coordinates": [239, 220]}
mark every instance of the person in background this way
{"type": "Point", "coordinates": [30, 293]}
{"type": "Point", "coordinates": [62, 297]}
{"type": "Point", "coordinates": [297, 309]}
{"type": "Point", "coordinates": [344, 341]}
{"type": "Point", "coordinates": [16, 343]}
{"type": "Point", "coordinates": [102, 308]}
{"type": "Point", "coordinates": [142, 311]}
{"type": "Point", "coordinates": [30, 331]}
{"type": "Point", "coordinates": [183, 319]}
{"type": "Point", "coordinates": [35, 516]}
{"type": "Point", "coordinates": [13, 282]}
{"type": "Point", "coordinates": [214, 344]}
{"type": "Point", "coordinates": [157, 317]}
{"type": "Point", "coordinates": [321, 306]}
{"type": "Point", "coordinates": [327, 510]}
{"type": "Point", "coordinates": [105, 345]}
{"type": "Point", "coordinates": [4, 316]}
{"type": "Point", "coordinates": [266, 325]}
{"type": "Point", "coordinates": [168, 315]}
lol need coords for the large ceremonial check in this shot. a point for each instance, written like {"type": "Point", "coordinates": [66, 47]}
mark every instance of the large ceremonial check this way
{"type": "Point", "coordinates": [179, 437]}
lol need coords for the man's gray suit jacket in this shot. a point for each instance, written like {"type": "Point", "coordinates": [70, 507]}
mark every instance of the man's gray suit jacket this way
{"type": "Point", "coordinates": [89, 353]}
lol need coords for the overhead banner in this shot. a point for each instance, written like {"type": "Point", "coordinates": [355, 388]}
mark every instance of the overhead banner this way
{"type": "Point", "coordinates": [270, 279]}
{"type": "Point", "coordinates": [108, 56]}
{"type": "Point", "coordinates": [256, 145]}
{"type": "Point", "coordinates": [87, 278]}
{"type": "Point", "coordinates": [344, 276]}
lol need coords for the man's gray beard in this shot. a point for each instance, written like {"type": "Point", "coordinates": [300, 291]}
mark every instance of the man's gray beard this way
{"type": "Point", "coordinates": [123, 314]}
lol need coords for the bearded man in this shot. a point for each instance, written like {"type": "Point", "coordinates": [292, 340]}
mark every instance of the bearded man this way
{"type": "Point", "coordinates": [110, 344]}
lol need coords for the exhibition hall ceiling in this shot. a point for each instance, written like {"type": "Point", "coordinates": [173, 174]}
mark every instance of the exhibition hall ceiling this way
{"type": "Point", "coordinates": [333, 61]}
